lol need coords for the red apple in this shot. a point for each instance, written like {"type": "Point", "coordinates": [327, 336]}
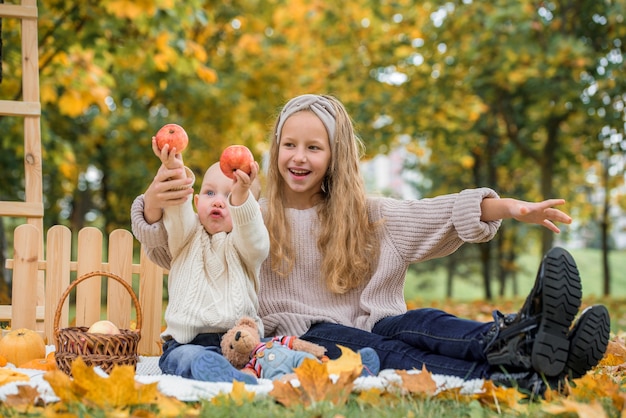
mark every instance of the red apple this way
{"type": "Point", "coordinates": [236, 157]}
{"type": "Point", "coordinates": [103, 327]}
{"type": "Point", "coordinates": [174, 135]}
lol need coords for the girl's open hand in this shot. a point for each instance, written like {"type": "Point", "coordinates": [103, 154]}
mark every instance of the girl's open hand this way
{"type": "Point", "coordinates": [541, 213]}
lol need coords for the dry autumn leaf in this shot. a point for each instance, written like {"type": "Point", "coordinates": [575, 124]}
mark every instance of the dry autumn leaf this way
{"type": "Point", "coordinates": [593, 386]}
{"type": "Point", "coordinates": [117, 390]}
{"type": "Point", "coordinates": [10, 375]}
{"type": "Point", "coordinates": [238, 394]}
{"type": "Point", "coordinates": [287, 394]}
{"type": "Point", "coordinates": [349, 362]}
{"type": "Point", "coordinates": [418, 382]}
{"type": "Point", "coordinates": [315, 386]}
{"type": "Point", "coordinates": [582, 410]}
{"type": "Point", "coordinates": [615, 354]}
{"type": "Point", "coordinates": [371, 396]}
{"type": "Point", "coordinates": [499, 396]}
{"type": "Point", "coordinates": [26, 395]}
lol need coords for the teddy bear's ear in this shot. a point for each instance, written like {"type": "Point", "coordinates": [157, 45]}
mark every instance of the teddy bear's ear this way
{"type": "Point", "coordinates": [247, 322]}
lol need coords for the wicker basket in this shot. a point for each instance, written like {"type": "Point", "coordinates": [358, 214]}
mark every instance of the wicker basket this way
{"type": "Point", "coordinates": [101, 350]}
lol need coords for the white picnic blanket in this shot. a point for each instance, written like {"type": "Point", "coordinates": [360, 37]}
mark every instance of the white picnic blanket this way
{"type": "Point", "coordinates": [193, 390]}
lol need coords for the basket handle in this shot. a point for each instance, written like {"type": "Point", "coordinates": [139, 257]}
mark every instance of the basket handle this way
{"type": "Point", "coordinates": [57, 314]}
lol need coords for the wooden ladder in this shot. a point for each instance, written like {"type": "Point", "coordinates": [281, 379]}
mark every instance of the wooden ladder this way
{"type": "Point", "coordinates": [30, 109]}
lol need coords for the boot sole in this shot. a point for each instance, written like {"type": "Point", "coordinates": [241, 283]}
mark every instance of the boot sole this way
{"type": "Point", "coordinates": [588, 341]}
{"type": "Point", "coordinates": [561, 298]}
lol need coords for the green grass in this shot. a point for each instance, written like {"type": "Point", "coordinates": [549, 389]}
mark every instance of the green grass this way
{"type": "Point", "coordinates": [429, 286]}
{"type": "Point", "coordinates": [385, 406]}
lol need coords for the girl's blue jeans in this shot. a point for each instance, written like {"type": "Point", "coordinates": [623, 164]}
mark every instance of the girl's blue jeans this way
{"type": "Point", "coordinates": [443, 343]}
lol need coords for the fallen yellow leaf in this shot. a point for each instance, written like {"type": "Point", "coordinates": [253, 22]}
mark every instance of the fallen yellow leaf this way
{"type": "Point", "coordinates": [238, 394]}
{"type": "Point", "coordinates": [26, 395]}
{"type": "Point", "coordinates": [498, 396]}
{"type": "Point", "coordinates": [10, 375]}
{"type": "Point", "coordinates": [315, 386]}
{"type": "Point", "coordinates": [582, 410]}
{"type": "Point", "coordinates": [117, 390]}
{"type": "Point", "coordinates": [418, 382]}
{"type": "Point", "coordinates": [349, 362]}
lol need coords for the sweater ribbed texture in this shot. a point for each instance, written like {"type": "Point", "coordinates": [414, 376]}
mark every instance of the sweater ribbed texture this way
{"type": "Point", "coordinates": [213, 280]}
{"type": "Point", "coordinates": [412, 231]}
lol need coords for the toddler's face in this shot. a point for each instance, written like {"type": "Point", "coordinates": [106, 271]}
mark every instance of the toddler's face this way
{"type": "Point", "coordinates": [211, 202]}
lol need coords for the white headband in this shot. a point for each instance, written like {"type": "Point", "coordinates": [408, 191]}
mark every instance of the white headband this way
{"type": "Point", "coordinates": [317, 104]}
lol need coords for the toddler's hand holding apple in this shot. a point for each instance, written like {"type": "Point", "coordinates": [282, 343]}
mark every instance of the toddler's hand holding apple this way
{"type": "Point", "coordinates": [236, 157]}
{"type": "Point", "coordinates": [172, 135]}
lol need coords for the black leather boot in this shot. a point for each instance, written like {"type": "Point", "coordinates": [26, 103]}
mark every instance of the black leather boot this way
{"type": "Point", "coordinates": [537, 337]}
{"type": "Point", "coordinates": [588, 339]}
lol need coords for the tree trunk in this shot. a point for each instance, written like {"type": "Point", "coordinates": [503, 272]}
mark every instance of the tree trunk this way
{"type": "Point", "coordinates": [547, 174]}
{"type": "Point", "coordinates": [485, 257]}
{"type": "Point", "coordinates": [450, 269]}
{"type": "Point", "coordinates": [605, 230]}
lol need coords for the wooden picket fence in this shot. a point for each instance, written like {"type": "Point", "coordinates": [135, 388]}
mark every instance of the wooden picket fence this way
{"type": "Point", "coordinates": [59, 270]}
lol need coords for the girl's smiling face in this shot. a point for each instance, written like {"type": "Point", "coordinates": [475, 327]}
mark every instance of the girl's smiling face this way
{"type": "Point", "coordinates": [303, 159]}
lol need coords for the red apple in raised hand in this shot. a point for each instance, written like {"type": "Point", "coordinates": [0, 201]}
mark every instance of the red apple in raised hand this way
{"type": "Point", "coordinates": [103, 327]}
{"type": "Point", "coordinates": [236, 157]}
{"type": "Point", "coordinates": [174, 135]}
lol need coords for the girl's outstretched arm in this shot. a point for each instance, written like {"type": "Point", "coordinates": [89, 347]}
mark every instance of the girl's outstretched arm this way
{"type": "Point", "coordinates": [541, 213]}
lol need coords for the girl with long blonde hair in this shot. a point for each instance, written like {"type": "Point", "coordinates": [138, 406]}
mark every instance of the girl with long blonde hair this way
{"type": "Point", "coordinates": [338, 260]}
{"type": "Point", "coordinates": [347, 238]}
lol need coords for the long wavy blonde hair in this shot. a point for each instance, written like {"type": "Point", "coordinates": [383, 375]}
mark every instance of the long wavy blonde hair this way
{"type": "Point", "coordinates": [347, 239]}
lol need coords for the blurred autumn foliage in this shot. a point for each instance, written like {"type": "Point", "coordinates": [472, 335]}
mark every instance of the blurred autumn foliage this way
{"type": "Point", "coordinates": [516, 95]}
{"type": "Point", "coordinates": [524, 96]}
{"type": "Point", "coordinates": [489, 90]}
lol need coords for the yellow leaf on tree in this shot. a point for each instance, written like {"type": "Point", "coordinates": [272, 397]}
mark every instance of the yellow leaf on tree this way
{"type": "Point", "coordinates": [130, 8]}
{"type": "Point", "coordinates": [72, 104]}
{"type": "Point", "coordinates": [206, 74]}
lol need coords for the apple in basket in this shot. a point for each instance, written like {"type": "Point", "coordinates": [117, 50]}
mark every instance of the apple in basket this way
{"type": "Point", "coordinates": [236, 157]}
{"type": "Point", "coordinates": [104, 327]}
{"type": "Point", "coordinates": [174, 135]}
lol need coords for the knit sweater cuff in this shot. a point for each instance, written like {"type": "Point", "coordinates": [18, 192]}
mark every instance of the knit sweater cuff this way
{"type": "Point", "coordinates": [466, 216]}
{"type": "Point", "coordinates": [245, 213]}
{"type": "Point", "coordinates": [151, 235]}
{"type": "Point", "coordinates": [188, 174]}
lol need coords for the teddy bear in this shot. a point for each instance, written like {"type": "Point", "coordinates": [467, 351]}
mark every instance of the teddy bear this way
{"type": "Point", "coordinates": [273, 359]}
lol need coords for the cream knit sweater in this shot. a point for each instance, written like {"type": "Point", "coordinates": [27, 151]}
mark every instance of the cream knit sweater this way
{"type": "Point", "coordinates": [413, 231]}
{"type": "Point", "coordinates": [213, 279]}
